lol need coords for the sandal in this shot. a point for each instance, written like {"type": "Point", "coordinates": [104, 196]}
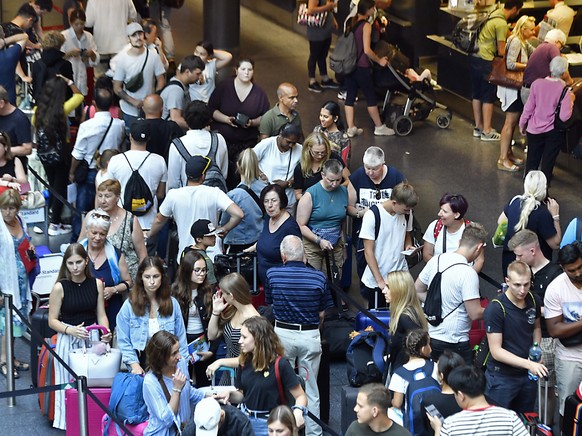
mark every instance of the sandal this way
{"type": "Point", "coordinates": [512, 169]}
{"type": "Point", "coordinates": [4, 370]}
{"type": "Point", "coordinates": [21, 366]}
{"type": "Point", "coordinates": [516, 160]}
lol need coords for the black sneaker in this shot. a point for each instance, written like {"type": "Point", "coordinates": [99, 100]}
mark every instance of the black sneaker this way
{"type": "Point", "coordinates": [315, 87]}
{"type": "Point", "coordinates": [329, 84]}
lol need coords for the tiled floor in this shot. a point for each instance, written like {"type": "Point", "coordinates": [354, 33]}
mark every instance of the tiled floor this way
{"type": "Point", "coordinates": [435, 161]}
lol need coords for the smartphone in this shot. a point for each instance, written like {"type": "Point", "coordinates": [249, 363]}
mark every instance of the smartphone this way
{"type": "Point", "coordinates": [433, 411]}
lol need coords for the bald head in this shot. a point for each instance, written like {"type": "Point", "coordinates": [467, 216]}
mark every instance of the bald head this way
{"type": "Point", "coordinates": [287, 95]}
{"type": "Point", "coordinates": [152, 106]}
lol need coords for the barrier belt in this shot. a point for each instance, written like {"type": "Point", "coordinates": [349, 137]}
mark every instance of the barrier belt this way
{"type": "Point", "coordinates": [54, 192]}
{"type": "Point", "coordinates": [51, 350]}
{"type": "Point", "coordinates": [325, 427]}
{"type": "Point", "coordinates": [490, 280]}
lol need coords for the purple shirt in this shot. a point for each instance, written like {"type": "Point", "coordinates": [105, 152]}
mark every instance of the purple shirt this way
{"type": "Point", "coordinates": [538, 64]}
{"type": "Point", "coordinates": [538, 113]}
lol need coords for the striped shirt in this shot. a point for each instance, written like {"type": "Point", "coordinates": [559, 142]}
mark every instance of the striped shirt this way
{"type": "Point", "coordinates": [490, 421]}
{"type": "Point", "coordinates": [298, 293]}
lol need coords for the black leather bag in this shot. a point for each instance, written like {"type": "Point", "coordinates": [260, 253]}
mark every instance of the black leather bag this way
{"type": "Point", "coordinates": [572, 341]}
{"type": "Point", "coordinates": [563, 126]}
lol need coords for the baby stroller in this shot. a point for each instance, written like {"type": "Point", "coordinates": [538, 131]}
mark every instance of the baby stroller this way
{"type": "Point", "coordinates": [406, 101]}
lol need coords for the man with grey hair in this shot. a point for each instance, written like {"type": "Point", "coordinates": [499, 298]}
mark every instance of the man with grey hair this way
{"type": "Point", "coordinates": [538, 64]}
{"type": "Point", "coordinates": [299, 295]}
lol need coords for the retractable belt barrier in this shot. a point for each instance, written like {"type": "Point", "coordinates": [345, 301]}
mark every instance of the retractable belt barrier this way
{"type": "Point", "coordinates": [54, 192]}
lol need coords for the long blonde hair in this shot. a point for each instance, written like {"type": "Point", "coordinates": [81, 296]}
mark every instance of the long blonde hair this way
{"type": "Point", "coordinates": [315, 138]}
{"type": "Point", "coordinates": [535, 188]}
{"type": "Point", "coordinates": [519, 26]}
{"type": "Point", "coordinates": [403, 300]}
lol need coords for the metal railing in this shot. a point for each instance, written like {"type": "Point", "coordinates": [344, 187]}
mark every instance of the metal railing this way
{"type": "Point", "coordinates": [79, 381]}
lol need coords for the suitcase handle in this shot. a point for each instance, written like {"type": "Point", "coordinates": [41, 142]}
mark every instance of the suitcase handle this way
{"type": "Point", "coordinates": [103, 329]}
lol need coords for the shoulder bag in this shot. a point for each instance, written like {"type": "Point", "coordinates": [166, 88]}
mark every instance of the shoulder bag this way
{"type": "Point", "coordinates": [560, 125]}
{"type": "Point", "coordinates": [310, 20]}
{"type": "Point", "coordinates": [82, 170]}
{"type": "Point", "coordinates": [503, 76]}
{"type": "Point", "coordinates": [135, 82]}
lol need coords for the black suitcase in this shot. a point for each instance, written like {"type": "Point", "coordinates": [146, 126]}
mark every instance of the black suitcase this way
{"type": "Point", "coordinates": [348, 402]}
{"type": "Point", "coordinates": [573, 415]}
{"type": "Point", "coordinates": [40, 325]}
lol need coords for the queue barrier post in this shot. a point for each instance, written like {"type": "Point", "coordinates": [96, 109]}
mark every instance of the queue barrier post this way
{"type": "Point", "coordinates": [8, 337]}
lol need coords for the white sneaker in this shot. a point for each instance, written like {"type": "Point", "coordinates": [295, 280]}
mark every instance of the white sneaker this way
{"type": "Point", "coordinates": [354, 131]}
{"type": "Point", "coordinates": [59, 229]}
{"type": "Point", "coordinates": [38, 230]}
{"type": "Point", "coordinates": [383, 130]}
{"type": "Point", "coordinates": [342, 95]}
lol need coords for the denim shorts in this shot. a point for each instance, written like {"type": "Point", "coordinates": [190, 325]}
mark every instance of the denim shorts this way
{"type": "Point", "coordinates": [483, 91]}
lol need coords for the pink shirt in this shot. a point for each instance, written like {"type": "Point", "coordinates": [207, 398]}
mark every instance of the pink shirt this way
{"type": "Point", "coordinates": [538, 113]}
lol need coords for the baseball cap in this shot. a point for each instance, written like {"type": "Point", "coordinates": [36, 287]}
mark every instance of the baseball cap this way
{"type": "Point", "coordinates": [207, 417]}
{"type": "Point", "coordinates": [202, 228]}
{"type": "Point", "coordinates": [140, 131]}
{"type": "Point", "coordinates": [555, 35]}
{"type": "Point", "coordinates": [197, 166]}
{"type": "Point", "coordinates": [132, 28]}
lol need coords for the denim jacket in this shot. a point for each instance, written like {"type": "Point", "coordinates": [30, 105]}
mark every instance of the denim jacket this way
{"type": "Point", "coordinates": [132, 330]}
{"type": "Point", "coordinates": [248, 230]}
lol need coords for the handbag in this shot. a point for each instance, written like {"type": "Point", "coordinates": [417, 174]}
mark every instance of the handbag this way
{"type": "Point", "coordinates": [310, 20]}
{"type": "Point", "coordinates": [32, 200]}
{"type": "Point", "coordinates": [100, 369]}
{"type": "Point", "coordinates": [27, 255]}
{"type": "Point", "coordinates": [502, 76]}
{"type": "Point", "coordinates": [499, 235]}
{"type": "Point", "coordinates": [82, 170]}
{"type": "Point", "coordinates": [135, 82]}
{"type": "Point", "coordinates": [560, 125]}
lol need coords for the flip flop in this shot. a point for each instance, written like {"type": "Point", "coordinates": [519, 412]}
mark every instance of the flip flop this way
{"type": "Point", "coordinates": [21, 366]}
{"type": "Point", "coordinates": [4, 370]}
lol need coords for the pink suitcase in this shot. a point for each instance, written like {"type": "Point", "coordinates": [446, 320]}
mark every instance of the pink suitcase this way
{"type": "Point", "coordinates": [94, 412]}
{"type": "Point", "coordinates": [136, 430]}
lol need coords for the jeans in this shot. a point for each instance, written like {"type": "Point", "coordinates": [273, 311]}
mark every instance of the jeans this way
{"type": "Point", "coordinates": [318, 51]}
{"type": "Point", "coordinates": [543, 149]}
{"type": "Point", "coordinates": [515, 392]}
{"type": "Point", "coordinates": [85, 202]}
{"type": "Point", "coordinates": [461, 348]}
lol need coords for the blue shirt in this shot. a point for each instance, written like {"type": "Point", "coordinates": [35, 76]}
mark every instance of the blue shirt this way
{"type": "Point", "coordinates": [133, 330]}
{"type": "Point", "coordinates": [248, 230]}
{"type": "Point", "coordinates": [162, 417]}
{"type": "Point", "coordinates": [298, 293]}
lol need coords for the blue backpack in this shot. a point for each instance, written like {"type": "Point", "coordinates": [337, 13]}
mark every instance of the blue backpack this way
{"type": "Point", "coordinates": [126, 401]}
{"type": "Point", "coordinates": [365, 358]}
{"type": "Point", "coordinates": [420, 382]}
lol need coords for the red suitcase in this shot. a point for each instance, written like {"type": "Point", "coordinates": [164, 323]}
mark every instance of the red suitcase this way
{"type": "Point", "coordinates": [46, 377]}
{"type": "Point", "coordinates": [94, 412]}
{"type": "Point", "coordinates": [573, 414]}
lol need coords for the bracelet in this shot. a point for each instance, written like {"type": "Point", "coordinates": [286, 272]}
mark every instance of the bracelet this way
{"type": "Point", "coordinates": [556, 217]}
{"type": "Point", "coordinates": [318, 240]}
{"type": "Point", "coordinates": [215, 314]}
{"type": "Point", "coordinates": [126, 285]}
{"type": "Point", "coordinates": [177, 390]}
{"type": "Point", "coordinates": [302, 408]}
{"type": "Point", "coordinates": [66, 327]}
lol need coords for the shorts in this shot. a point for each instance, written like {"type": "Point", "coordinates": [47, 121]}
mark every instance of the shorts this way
{"type": "Point", "coordinates": [483, 91]}
{"type": "Point", "coordinates": [516, 106]}
{"type": "Point", "coordinates": [568, 376]}
{"type": "Point", "coordinates": [548, 352]}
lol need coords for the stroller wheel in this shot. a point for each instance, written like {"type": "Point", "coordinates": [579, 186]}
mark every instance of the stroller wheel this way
{"type": "Point", "coordinates": [443, 121]}
{"type": "Point", "coordinates": [402, 125]}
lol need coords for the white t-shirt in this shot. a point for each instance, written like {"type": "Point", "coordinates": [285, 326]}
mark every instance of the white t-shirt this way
{"type": "Point", "coordinates": [128, 66]}
{"type": "Point", "coordinates": [191, 203]}
{"type": "Point", "coordinates": [460, 283]}
{"type": "Point", "coordinates": [203, 91]}
{"type": "Point", "coordinates": [565, 299]}
{"type": "Point", "coordinates": [153, 172]}
{"type": "Point", "coordinates": [194, 324]}
{"type": "Point", "coordinates": [452, 238]}
{"type": "Point", "coordinates": [388, 245]}
{"type": "Point", "coordinates": [276, 165]}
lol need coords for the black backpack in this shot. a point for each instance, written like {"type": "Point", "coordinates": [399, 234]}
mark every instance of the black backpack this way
{"type": "Point", "coordinates": [49, 154]}
{"type": "Point", "coordinates": [137, 198]}
{"type": "Point", "coordinates": [213, 175]}
{"type": "Point", "coordinates": [433, 303]}
{"type": "Point", "coordinates": [365, 358]}
{"type": "Point", "coordinates": [466, 33]}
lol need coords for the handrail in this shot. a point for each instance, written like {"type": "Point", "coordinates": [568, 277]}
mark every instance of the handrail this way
{"type": "Point", "coordinates": [80, 381]}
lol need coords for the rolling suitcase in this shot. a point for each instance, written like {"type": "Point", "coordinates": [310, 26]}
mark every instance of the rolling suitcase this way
{"type": "Point", "coordinates": [573, 414]}
{"type": "Point", "coordinates": [348, 402]}
{"type": "Point", "coordinates": [94, 412]}
{"type": "Point", "coordinates": [135, 429]}
{"type": "Point", "coordinates": [246, 265]}
{"type": "Point", "coordinates": [363, 321]}
{"type": "Point", "coordinates": [39, 325]}
{"type": "Point", "coordinates": [46, 377]}
{"type": "Point", "coordinates": [534, 424]}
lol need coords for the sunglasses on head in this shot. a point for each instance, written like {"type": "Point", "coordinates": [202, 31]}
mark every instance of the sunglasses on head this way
{"type": "Point", "coordinates": [100, 216]}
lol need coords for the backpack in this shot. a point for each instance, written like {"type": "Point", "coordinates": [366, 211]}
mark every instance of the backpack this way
{"type": "Point", "coordinates": [466, 33]}
{"type": "Point", "coordinates": [437, 231]}
{"type": "Point", "coordinates": [126, 402]}
{"type": "Point", "coordinates": [344, 57]}
{"type": "Point", "coordinates": [137, 197]}
{"type": "Point", "coordinates": [420, 382]}
{"type": "Point", "coordinates": [433, 303]}
{"type": "Point", "coordinates": [365, 358]}
{"type": "Point", "coordinates": [361, 263]}
{"type": "Point", "coordinates": [49, 154]}
{"type": "Point", "coordinates": [213, 175]}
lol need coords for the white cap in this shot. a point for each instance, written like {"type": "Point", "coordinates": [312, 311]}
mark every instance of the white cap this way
{"type": "Point", "coordinates": [132, 28]}
{"type": "Point", "coordinates": [207, 417]}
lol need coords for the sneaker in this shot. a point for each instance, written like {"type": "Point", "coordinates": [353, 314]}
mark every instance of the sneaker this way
{"type": "Point", "coordinates": [476, 132]}
{"type": "Point", "coordinates": [383, 130]}
{"type": "Point", "coordinates": [329, 84]}
{"type": "Point", "coordinates": [58, 229]}
{"type": "Point", "coordinates": [342, 95]}
{"type": "Point", "coordinates": [354, 131]}
{"type": "Point", "coordinates": [315, 87]}
{"type": "Point", "coordinates": [491, 136]}
{"type": "Point", "coordinates": [38, 230]}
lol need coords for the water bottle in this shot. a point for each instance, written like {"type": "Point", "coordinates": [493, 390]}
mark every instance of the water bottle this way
{"type": "Point", "coordinates": [503, 289]}
{"type": "Point", "coordinates": [535, 355]}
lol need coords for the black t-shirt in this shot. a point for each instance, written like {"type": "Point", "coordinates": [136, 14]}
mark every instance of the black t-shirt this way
{"type": "Point", "coordinates": [540, 282]}
{"type": "Point", "coordinates": [444, 403]}
{"type": "Point", "coordinates": [11, 29]}
{"type": "Point", "coordinates": [235, 423]}
{"type": "Point", "coordinates": [397, 354]}
{"type": "Point", "coordinates": [516, 325]}
{"type": "Point", "coordinates": [300, 182]}
{"type": "Point", "coordinates": [162, 134]}
{"type": "Point", "coordinates": [260, 389]}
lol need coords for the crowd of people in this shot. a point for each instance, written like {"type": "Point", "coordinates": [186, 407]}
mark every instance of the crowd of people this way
{"type": "Point", "coordinates": [227, 172]}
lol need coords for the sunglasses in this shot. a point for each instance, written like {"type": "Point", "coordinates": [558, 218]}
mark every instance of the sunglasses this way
{"type": "Point", "coordinates": [100, 216]}
{"type": "Point", "coordinates": [378, 194]}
